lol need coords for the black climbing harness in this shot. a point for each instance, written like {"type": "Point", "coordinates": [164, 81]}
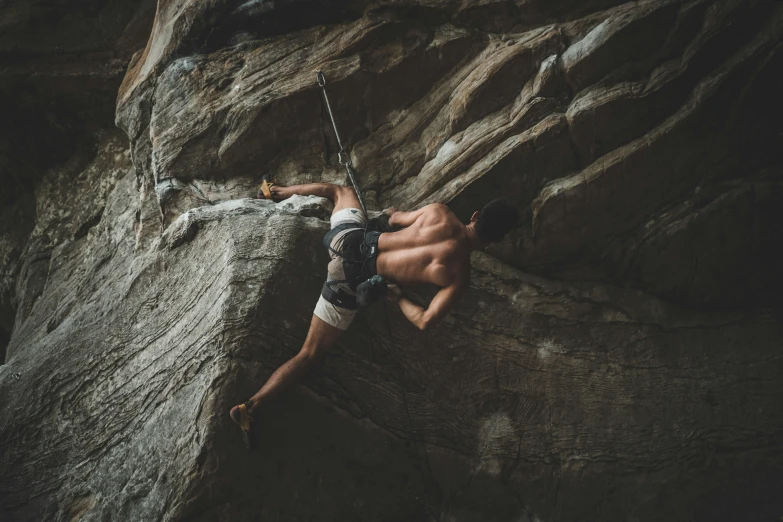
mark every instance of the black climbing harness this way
{"type": "Point", "coordinates": [359, 250]}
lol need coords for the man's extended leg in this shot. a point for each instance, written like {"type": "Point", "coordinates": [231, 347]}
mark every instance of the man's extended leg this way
{"type": "Point", "coordinates": [320, 338]}
{"type": "Point", "coordinates": [321, 335]}
{"type": "Point", "coordinates": [342, 197]}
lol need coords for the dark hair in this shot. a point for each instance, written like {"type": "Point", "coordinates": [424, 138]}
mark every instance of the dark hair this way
{"type": "Point", "coordinates": [495, 220]}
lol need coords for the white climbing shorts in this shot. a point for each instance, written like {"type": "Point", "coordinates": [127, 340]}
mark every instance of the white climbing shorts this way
{"type": "Point", "coordinates": [331, 313]}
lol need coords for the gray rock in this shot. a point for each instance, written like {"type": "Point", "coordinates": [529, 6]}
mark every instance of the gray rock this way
{"type": "Point", "coordinates": [618, 357]}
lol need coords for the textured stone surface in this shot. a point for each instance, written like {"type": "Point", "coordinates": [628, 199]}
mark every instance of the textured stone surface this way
{"type": "Point", "coordinates": [617, 358]}
{"type": "Point", "coordinates": [61, 64]}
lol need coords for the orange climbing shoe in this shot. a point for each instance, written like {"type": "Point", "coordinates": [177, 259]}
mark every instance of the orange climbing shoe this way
{"type": "Point", "coordinates": [265, 190]}
{"type": "Point", "coordinates": [241, 416]}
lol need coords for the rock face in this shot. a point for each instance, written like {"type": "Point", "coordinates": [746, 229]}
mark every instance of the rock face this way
{"type": "Point", "coordinates": [618, 357]}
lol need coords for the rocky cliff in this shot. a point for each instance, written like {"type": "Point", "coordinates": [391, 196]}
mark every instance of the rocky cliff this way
{"type": "Point", "coordinates": [617, 358]}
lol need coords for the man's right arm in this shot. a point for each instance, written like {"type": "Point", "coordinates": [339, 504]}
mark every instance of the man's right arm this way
{"type": "Point", "coordinates": [424, 318]}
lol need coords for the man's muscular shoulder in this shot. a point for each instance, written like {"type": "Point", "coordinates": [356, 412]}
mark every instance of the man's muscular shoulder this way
{"type": "Point", "coordinates": [438, 211]}
{"type": "Point", "coordinates": [437, 207]}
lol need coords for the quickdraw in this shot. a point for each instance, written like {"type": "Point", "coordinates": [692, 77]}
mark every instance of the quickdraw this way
{"type": "Point", "coordinates": [342, 156]}
{"type": "Point", "coordinates": [372, 286]}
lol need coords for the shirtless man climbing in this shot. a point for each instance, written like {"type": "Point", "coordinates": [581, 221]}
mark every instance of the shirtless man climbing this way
{"type": "Point", "coordinates": [433, 246]}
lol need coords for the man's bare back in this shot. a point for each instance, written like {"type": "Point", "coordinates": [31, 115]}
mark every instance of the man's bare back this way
{"type": "Point", "coordinates": [433, 248]}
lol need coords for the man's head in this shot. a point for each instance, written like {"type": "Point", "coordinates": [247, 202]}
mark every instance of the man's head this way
{"type": "Point", "coordinates": [495, 220]}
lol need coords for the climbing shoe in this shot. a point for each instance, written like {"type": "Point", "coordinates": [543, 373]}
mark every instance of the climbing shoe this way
{"type": "Point", "coordinates": [241, 416]}
{"type": "Point", "coordinates": [265, 190]}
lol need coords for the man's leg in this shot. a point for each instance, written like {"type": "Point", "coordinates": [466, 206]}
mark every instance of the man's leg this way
{"type": "Point", "coordinates": [320, 338]}
{"type": "Point", "coordinates": [321, 335]}
{"type": "Point", "coordinates": [342, 197]}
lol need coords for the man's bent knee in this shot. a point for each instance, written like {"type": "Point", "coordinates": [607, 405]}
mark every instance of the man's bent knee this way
{"type": "Point", "coordinates": [345, 197]}
{"type": "Point", "coordinates": [344, 192]}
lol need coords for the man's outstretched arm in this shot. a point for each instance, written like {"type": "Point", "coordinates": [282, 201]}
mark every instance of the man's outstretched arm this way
{"type": "Point", "coordinates": [443, 301]}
